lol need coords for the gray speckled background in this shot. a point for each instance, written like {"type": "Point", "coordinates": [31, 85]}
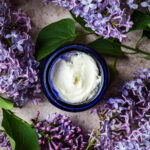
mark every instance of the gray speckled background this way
{"type": "Point", "coordinates": [41, 16]}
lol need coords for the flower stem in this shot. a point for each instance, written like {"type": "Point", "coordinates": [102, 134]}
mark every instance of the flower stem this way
{"type": "Point", "coordinates": [138, 42]}
{"type": "Point", "coordinates": [9, 42]}
{"type": "Point", "coordinates": [131, 53]}
{"type": "Point", "coordinates": [2, 131]}
{"type": "Point", "coordinates": [135, 49]}
{"type": "Point", "coordinates": [84, 34]}
{"type": "Point", "coordinates": [91, 144]}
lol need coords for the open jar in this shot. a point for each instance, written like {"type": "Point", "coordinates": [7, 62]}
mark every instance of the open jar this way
{"type": "Point", "coordinates": [75, 77]}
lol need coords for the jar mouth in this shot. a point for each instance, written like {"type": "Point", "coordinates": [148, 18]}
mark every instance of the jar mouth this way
{"type": "Point", "coordinates": [65, 56]}
{"type": "Point", "coordinates": [53, 95]}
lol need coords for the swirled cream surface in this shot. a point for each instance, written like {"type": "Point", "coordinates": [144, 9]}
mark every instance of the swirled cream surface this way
{"type": "Point", "coordinates": [75, 77]}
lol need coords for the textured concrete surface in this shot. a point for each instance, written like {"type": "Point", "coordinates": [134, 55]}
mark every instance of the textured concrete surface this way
{"type": "Point", "coordinates": [41, 16]}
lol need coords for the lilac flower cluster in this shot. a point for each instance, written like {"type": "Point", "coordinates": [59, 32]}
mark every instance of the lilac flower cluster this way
{"type": "Point", "coordinates": [59, 134]}
{"type": "Point", "coordinates": [105, 17]}
{"type": "Point", "coordinates": [54, 134]}
{"type": "Point", "coordinates": [138, 140]}
{"type": "Point", "coordinates": [18, 68]}
{"type": "Point", "coordinates": [124, 120]}
{"type": "Point", "coordinates": [4, 141]}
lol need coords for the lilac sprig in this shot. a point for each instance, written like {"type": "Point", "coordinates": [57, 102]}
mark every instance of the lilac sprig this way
{"type": "Point", "coordinates": [19, 73]}
{"type": "Point", "coordinates": [124, 120]}
{"type": "Point", "coordinates": [105, 18]}
{"type": "Point", "coordinates": [59, 133]}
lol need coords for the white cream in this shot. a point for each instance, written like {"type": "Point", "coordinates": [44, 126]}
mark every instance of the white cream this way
{"type": "Point", "coordinates": [76, 78]}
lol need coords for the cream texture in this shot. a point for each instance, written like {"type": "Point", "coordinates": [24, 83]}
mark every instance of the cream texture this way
{"type": "Point", "coordinates": [76, 78]}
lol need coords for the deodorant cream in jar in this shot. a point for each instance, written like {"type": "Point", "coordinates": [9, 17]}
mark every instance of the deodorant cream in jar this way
{"type": "Point", "coordinates": [75, 78]}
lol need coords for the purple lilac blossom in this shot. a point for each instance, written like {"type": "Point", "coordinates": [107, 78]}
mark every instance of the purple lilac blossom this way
{"type": "Point", "coordinates": [4, 141]}
{"type": "Point", "coordinates": [146, 4]}
{"type": "Point", "coordinates": [128, 145]}
{"type": "Point", "coordinates": [59, 134]}
{"type": "Point", "coordinates": [132, 4]}
{"type": "Point", "coordinates": [124, 120]}
{"type": "Point", "coordinates": [19, 74]}
{"type": "Point", "coordinates": [142, 135]}
{"type": "Point", "coordinates": [138, 140]}
{"type": "Point", "coordinates": [105, 17]}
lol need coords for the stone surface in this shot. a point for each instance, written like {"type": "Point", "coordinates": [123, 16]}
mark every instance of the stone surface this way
{"type": "Point", "coordinates": [41, 16]}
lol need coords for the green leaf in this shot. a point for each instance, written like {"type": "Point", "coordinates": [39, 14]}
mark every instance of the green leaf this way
{"type": "Point", "coordinates": [21, 135]}
{"type": "Point", "coordinates": [106, 47]}
{"type": "Point", "coordinates": [141, 21]}
{"type": "Point", "coordinates": [81, 22]}
{"type": "Point", "coordinates": [53, 36]}
{"type": "Point", "coordinates": [6, 104]}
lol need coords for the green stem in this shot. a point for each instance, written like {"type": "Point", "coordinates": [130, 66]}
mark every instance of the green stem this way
{"type": "Point", "coordinates": [93, 141]}
{"type": "Point", "coordinates": [131, 48]}
{"type": "Point", "coordinates": [91, 144]}
{"type": "Point", "coordinates": [115, 62]}
{"type": "Point", "coordinates": [84, 34]}
{"type": "Point", "coordinates": [135, 49]}
{"type": "Point", "coordinates": [138, 42]}
{"type": "Point", "coordinates": [9, 42]}
{"type": "Point", "coordinates": [132, 53]}
{"type": "Point", "coordinates": [2, 131]}
{"type": "Point", "coordinates": [2, 73]}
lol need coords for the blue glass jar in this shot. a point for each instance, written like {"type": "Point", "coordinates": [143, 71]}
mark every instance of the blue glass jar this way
{"type": "Point", "coordinates": [53, 95]}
